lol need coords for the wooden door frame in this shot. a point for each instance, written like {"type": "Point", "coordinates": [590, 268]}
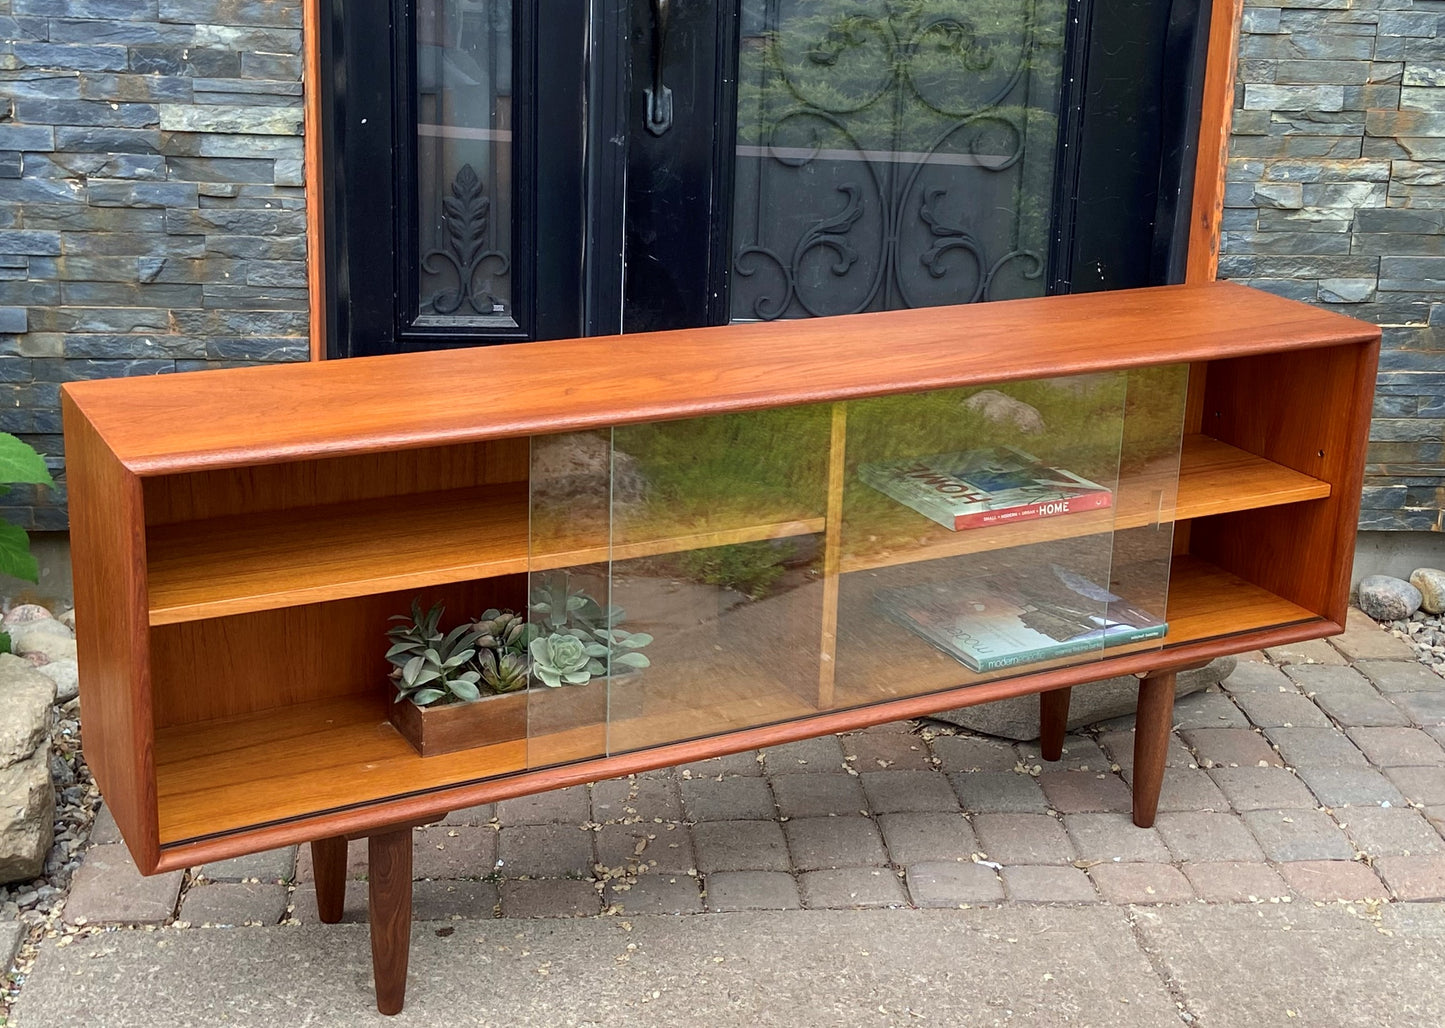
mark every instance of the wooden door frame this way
{"type": "Point", "coordinates": [1206, 207]}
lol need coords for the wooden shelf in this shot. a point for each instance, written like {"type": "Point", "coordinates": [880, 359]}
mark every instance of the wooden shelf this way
{"type": "Point", "coordinates": [1214, 478]}
{"type": "Point", "coordinates": [238, 773]}
{"type": "Point", "coordinates": [236, 565]}
{"type": "Point", "coordinates": [878, 660]}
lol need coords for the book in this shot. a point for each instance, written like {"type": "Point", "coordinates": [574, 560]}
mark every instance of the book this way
{"type": "Point", "coordinates": [1007, 620]}
{"type": "Point", "coordinates": [978, 488]}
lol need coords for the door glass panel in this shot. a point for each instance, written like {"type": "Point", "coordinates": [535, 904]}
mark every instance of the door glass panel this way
{"type": "Point", "coordinates": [896, 154]}
{"type": "Point", "coordinates": [464, 161]}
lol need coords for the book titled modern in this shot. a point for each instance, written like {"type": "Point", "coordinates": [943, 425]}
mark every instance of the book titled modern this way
{"type": "Point", "coordinates": [978, 488]}
{"type": "Point", "coordinates": [1007, 620]}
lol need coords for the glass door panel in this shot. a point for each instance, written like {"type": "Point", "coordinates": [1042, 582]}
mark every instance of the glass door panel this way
{"type": "Point", "coordinates": [717, 549]}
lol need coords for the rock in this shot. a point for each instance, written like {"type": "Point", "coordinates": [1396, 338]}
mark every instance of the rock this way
{"type": "Point", "coordinates": [1431, 583]}
{"type": "Point", "coordinates": [26, 697]}
{"type": "Point", "coordinates": [46, 636]}
{"type": "Point", "coordinates": [1018, 718]}
{"type": "Point", "coordinates": [27, 817]}
{"type": "Point", "coordinates": [25, 613]}
{"type": "Point", "coordinates": [582, 469]}
{"type": "Point", "coordinates": [66, 676]}
{"type": "Point", "coordinates": [1388, 599]}
{"type": "Point", "coordinates": [1005, 410]}
{"type": "Point", "coordinates": [67, 618]}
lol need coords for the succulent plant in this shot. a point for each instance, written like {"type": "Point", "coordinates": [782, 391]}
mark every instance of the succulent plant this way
{"type": "Point", "coordinates": [572, 611]}
{"type": "Point", "coordinates": [563, 657]}
{"type": "Point", "coordinates": [432, 667]}
{"type": "Point", "coordinates": [504, 631]}
{"type": "Point", "coordinates": [502, 673]}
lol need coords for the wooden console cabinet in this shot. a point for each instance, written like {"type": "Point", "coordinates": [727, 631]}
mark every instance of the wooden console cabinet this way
{"type": "Point", "coordinates": [240, 538]}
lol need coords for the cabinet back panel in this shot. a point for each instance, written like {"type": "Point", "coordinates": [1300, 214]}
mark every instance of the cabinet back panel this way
{"type": "Point", "coordinates": [1310, 411]}
{"type": "Point", "coordinates": [208, 494]}
{"type": "Point", "coordinates": [221, 667]}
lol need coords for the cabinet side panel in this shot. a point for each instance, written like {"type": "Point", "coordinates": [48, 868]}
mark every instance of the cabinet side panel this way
{"type": "Point", "coordinates": [208, 494]}
{"type": "Point", "coordinates": [107, 539]}
{"type": "Point", "coordinates": [1310, 411]}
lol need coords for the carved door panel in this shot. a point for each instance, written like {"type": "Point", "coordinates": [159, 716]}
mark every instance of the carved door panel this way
{"type": "Point", "coordinates": [509, 170]}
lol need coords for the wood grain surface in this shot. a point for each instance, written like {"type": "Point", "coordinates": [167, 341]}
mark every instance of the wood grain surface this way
{"type": "Point", "coordinates": [245, 416]}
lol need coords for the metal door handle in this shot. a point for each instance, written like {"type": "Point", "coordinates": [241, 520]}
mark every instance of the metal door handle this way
{"type": "Point", "coordinates": [659, 97]}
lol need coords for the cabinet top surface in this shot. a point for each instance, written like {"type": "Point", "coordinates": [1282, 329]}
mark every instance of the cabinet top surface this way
{"type": "Point", "coordinates": [226, 418]}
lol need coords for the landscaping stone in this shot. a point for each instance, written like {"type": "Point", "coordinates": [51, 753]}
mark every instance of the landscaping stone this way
{"type": "Point", "coordinates": [1430, 582]}
{"type": "Point", "coordinates": [1424, 785]}
{"type": "Point", "coordinates": [746, 763]}
{"type": "Point", "coordinates": [953, 884]}
{"type": "Point", "coordinates": [657, 894]}
{"type": "Point", "coordinates": [1348, 697]}
{"type": "Point", "coordinates": [1311, 651]}
{"type": "Point", "coordinates": [12, 934]}
{"type": "Point", "coordinates": [1298, 835]}
{"type": "Point", "coordinates": [1114, 838]}
{"type": "Point", "coordinates": [1414, 877]}
{"type": "Point", "coordinates": [448, 901]}
{"type": "Point", "coordinates": [561, 806]}
{"type": "Point", "coordinates": [968, 753]}
{"type": "Point", "coordinates": [1141, 883]}
{"type": "Point", "coordinates": [1283, 709]}
{"type": "Point", "coordinates": [1075, 792]}
{"type": "Point", "coordinates": [1316, 747]}
{"type": "Point", "coordinates": [481, 814]}
{"type": "Point", "coordinates": [465, 851]}
{"type": "Point", "coordinates": [1422, 708]}
{"type": "Point", "coordinates": [873, 751]}
{"type": "Point", "coordinates": [232, 903]}
{"type": "Point", "coordinates": [1119, 745]}
{"type": "Point", "coordinates": [1351, 786]}
{"type": "Point", "coordinates": [852, 888]}
{"type": "Point", "coordinates": [1002, 409]}
{"type": "Point", "coordinates": [1398, 747]}
{"type": "Point", "coordinates": [1207, 837]}
{"type": "Point", "coordinates": [832, 842]}
{"type": "Point", "coordinates": [109, 890]}
{"type": "Point", "coordinates": [1208, 710]}
{"type": "Point", "coordinates": [1392, 676]}
{"type": "Point", "coordinates": [356, 861]}
{"type": "Point", "coordinates": [1326, 881]}
{"type": "Point", "coordinates": [268, 866]}
{"type": "Point", "coordinates": [927, 837]}
{"type": "Point", "coordinates": [549, 898]}
{"type": "Point", "coordinates": [27, 792]}
{"type": "Point", "coordinates": [647, 798]}
{"type": "Point", "coordinates": [538, 851]}
{"type": "Point", "coordinates": [893, 792]}
{"type": "Point", "coordinates": [1039, 884]}
{"type": "Point", "coordinates": [740, 846]}
{"type": "Point", "coordinates": [1187, 789]}
{"type": "Point", "coordinates": [1256, 677]}
{"type": "Point", "coordinates": [1386, 598]}
{"type": "Point", "coordinates": [819, 795]}
{"type": "Point", "coordinates": [1261, 788]}
{"type": "Point", "coordinates": [999, 792]}
{"type": "Point", "coordinates": [1023, 839]}
{"type": "Point", "coordinates": [1089, 704]}
{"type": "Point", "coordinates": [1390, 832]}
{"type": "Point", "coordinates": [1363, 639]}
{"type": "Point", "coordinates": [665, 848]}
{"type": "Point", "coordinates": [1235, 882]}
{"type": "Point", "coordinates": [734, 798]}
{"type": "Point", "coordinates": [65, 673]}
{"type": "Point", "coordinates": [44, 636]}
{"type": "Point", "coordinates": [1231, 747]}
{"type": "Point", "coordinates": [811, 756]}
{"type": "Point", "coordinates": [752, 890]}
{"type": "Point", "coordinates": [1080, 753]}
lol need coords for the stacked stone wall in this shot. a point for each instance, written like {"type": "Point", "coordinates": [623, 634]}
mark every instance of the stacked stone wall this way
{"type": "Point", "coordinates": [1336, 195]}
{"type": "Point", "coordinates": [152, 215]}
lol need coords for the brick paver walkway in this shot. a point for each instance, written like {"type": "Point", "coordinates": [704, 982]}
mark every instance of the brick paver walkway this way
{"type": "Point", "coordinates": [1316, 773]}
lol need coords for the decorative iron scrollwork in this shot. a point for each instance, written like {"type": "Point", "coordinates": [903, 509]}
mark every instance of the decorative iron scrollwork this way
{"type": "Point", "coordinates": [466, 214]}
{"type": "Point", "coordinates": [927, 108]}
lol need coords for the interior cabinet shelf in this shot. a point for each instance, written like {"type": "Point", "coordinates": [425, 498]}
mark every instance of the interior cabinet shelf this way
{"type": "Point", "coordinates": [1213, 478]}
{"type": "Point", "coordinates": [236, 565]}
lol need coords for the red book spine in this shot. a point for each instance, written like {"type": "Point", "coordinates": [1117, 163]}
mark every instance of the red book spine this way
{"type": "Point", "coordinates": [1034, 511]}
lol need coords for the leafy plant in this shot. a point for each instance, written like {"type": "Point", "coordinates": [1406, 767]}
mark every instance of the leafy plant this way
{"type": "Point", "coordinates": [432, 667]}
{"type": "Point", "coordinates": [19, 464]}
{"type": "Point", "coordinates": [564, 611]}
{"type": "Point", "coordinates": [563, 657]}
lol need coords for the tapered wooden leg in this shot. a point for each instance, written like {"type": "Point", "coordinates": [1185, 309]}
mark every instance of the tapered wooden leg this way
{"type": "Point", "coordinates": [1151, 744]}
{"type": "Point", "coordinates": [328, 862]}
{"type": "Point", "coordinates": [389, 891]}
{"type": "Point", "coordinates": [1053, 722]}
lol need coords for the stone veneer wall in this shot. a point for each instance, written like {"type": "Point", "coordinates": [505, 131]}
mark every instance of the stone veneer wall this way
{"type": "Point", "coordinates": [1336, 195]}
{"type": "Point", "coordinates": [152, 215]}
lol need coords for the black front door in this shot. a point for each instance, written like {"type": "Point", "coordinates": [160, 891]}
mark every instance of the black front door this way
{"type": "Point", "coordinates": [508, 170]}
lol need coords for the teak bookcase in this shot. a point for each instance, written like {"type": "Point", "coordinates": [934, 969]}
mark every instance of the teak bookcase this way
{"type": "Point", "coordinates": [241, 536]}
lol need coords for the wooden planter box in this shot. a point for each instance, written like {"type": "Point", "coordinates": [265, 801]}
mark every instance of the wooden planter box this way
{"type": "Point", "coordinates": [462, 726]}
